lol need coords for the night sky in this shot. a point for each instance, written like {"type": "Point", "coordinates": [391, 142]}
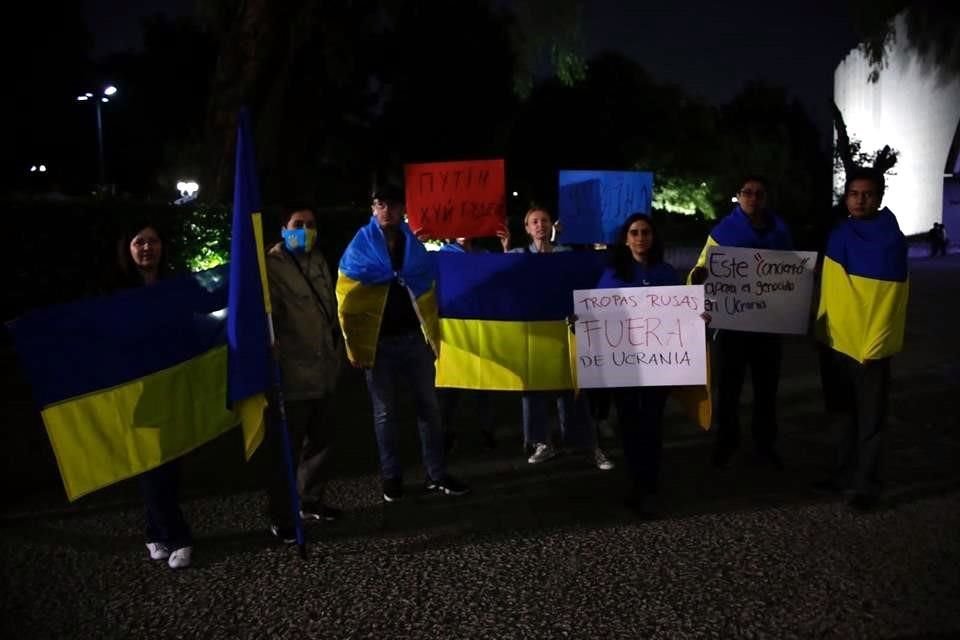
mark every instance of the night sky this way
{"type": "Point", "coordinates": [711, 49]}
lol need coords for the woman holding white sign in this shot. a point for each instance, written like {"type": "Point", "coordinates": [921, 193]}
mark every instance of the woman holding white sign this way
{"type": "Point", "coordinates": [636, 260]}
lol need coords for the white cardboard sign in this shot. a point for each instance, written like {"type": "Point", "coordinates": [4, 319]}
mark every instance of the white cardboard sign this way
{"type": "Point", "coordinates": [759, 290]}
{"type": "Point", "coordinates": [640, 337]}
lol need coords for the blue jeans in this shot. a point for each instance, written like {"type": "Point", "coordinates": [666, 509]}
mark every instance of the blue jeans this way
{"type": "Point", "coordinates": [406, 363]}
{"type": "Point", "coordinates": [572, 414]}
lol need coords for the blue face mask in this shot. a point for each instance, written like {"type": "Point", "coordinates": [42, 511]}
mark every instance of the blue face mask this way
{"type": "Point", "coordinates": [299, 240]}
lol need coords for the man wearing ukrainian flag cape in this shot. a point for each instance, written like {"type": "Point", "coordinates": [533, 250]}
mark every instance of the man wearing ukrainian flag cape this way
{"type": "Point", "coordinates": [861, 318]}
{"type": "Point", "coordinates": [387, 304]}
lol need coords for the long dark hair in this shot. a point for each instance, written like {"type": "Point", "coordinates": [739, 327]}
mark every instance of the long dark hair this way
{"type": "Point", "coordinates": [621, 258]}
{"type": "Point", "coordinates": [127, 273]}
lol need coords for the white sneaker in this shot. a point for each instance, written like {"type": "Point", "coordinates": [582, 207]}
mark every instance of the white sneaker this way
{"type": "Point", "coordinates": [158, 551]}
{"type": "Point", "coordinates": [603, 462]}
{"type": "Point", "coordinates": [541, 453]}
{"type": "Point", "coordinates": [180, 559]}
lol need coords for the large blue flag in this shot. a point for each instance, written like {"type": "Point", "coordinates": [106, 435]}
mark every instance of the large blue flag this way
{"type": "Point", "coordinates": [248, 338]}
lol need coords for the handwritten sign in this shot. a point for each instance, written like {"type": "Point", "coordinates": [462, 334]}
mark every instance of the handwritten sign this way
{"type": "Point", "coordinates": [759, 290]}
{"type": "Point", "coordinates": [456, 199]}
{"type": "Point", "coordinates": [640, 337]}
{"type": "Point", "coordinates": [593, 204]}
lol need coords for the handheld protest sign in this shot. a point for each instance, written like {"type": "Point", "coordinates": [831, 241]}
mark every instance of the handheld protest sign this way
{"type": "Point", "coordinates": [759, 290]}
{"type": "Point", "coordinates": [640, 337]}
{"type": "Point", "coordinates": [591, 205]}
{"type": "Point", "coordinates": [456, 199]}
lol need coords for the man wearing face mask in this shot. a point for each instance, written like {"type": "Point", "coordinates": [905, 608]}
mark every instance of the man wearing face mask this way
{"type": "Point", "coordinates": [311, 352]}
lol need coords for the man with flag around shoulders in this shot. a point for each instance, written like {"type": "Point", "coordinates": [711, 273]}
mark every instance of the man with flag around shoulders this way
{"type": "Point", "coordinates": [387, 305]}
{"type": "Point", "coordinates": [310, 351]}
{"type": "Point", "coordinates": [861, 319]}
{"type": "Point", "coordinates": [750, 225]}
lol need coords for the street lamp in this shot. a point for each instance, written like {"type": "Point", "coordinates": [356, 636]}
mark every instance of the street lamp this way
{"type": "Point", "coordinates": [106, 93]}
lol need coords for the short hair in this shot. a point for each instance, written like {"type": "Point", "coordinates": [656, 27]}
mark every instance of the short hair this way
{"type": "Point", "coordinates": [287, 212]}
{"type": "Point", "coordinates": [387, 193]}
{"type": "Point", "coordinates": [865, 173]}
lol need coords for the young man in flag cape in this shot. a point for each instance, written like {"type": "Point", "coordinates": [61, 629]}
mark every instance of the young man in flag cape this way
{"type": "Point", "coordinates": [861, 319]}
{"type": "Point", "coordinates": [387, 305]}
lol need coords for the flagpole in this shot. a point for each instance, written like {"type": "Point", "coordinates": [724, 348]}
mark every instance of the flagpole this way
{"type": "Point", "coordinates": [285, 439]}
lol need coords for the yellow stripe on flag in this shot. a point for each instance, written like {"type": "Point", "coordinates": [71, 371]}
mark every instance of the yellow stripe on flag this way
{"type": "Point", "coordinates": [261, 259]}
{"type": "Point", "coordinates": [107, 436]}
{"type": "Point", "coordinates": [504, 355]}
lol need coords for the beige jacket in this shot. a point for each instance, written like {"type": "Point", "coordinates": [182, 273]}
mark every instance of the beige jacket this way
{"type": "Point", "coordinates": [308, 334]}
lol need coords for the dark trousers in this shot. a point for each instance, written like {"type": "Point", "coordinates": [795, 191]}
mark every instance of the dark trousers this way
{"type": "Point", "coordinates": [640, 413]}
{"type": "Point", "coordinates": [310, 432]}
{"type": "Point", "coordinates": [599, 400]}
{"type": "Point", "coordinates": [858, 391]}
{"type": "Point", "coordinates": [450, 398]}
{"type": "Point", "coordinates": [761, 352]}
{"type": "Point", "coordinates": [161, 496]}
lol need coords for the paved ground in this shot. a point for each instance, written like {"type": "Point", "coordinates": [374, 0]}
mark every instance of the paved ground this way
{"type": "Point", "coordinates": [536, 552]}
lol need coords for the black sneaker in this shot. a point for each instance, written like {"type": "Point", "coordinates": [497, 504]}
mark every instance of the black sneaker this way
{"type": "Point", "coordinates": [392, 489]}
{"type": "Point", "coordinates": [286, 535]}
{"type": "Point", "coordinates": [318, 511]}
{"type": "Point", "coordinates": [448, 486]}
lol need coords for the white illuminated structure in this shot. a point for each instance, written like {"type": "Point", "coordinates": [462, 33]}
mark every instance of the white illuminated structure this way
{"type": "Point", "coordinates": [915, 109]}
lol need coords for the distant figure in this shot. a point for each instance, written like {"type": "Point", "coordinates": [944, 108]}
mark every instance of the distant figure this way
{"type": "Point", "coordinates": [933, 238]}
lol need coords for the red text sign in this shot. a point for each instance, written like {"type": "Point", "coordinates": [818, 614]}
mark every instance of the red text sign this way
{"type": "Point", "coordinates": [456, 199]}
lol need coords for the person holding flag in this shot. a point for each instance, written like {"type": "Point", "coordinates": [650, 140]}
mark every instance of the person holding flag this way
{"type": "Point", "coordinates": [387, 305]}
{"type": "Point", "coordinates": [310, 350]}
{"type": "Point", "coordinates": [861, 319]}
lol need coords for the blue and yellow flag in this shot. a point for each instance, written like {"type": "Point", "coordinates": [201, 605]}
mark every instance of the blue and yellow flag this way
{"type": "Point", "coordinates": [129, 381]}
{"type": "Point", "coordinates": [503, 318]}
{"type": "Point", "coordinates": [363, 281]}
{"type": "Point", "coordinates": [248, 337]}
{"type": "Point", "coordinates": [864, 288]}
{"type": "Point", "coordinates": [735, 230]}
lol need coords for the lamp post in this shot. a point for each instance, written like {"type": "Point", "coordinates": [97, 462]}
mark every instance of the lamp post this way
{"type": "Point", "coordinates": [106, 94]}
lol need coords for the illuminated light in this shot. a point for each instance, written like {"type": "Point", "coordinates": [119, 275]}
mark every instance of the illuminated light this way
{"type": "Point", "coordinates": [88, 94]}
{"type": "Point", "coordinates": [911, 110]}
{"type": "Point", "coordinates": [33, 169]}
{"type": "Point", "coordinates": [109, 90]}
{"type": "Point", "coordinates": [43, 168]}
{"type": "Point", "coordinates": [219, 314]}
{"type": "Point", "coordinates": [515, 194]}
{"type": "Point", "coordinates": [83, 98]}
{"type": "Point", "coordinates": [733, 199]}
{"type": "Point", "coordinates": [104, 99]}
{"type": "Point", "coordinates": [181, 186]}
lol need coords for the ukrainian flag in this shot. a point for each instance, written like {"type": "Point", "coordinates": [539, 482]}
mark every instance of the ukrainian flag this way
{"type": "Point", "coordinates": [363, 281]}
{"type": "Point", "coordinates": [248, 330]}
{"type": "Point", "coordinates": [735, 230]}
{"type": "Point", "coordinates": [130, 381]}
{"type": "Point", "coordinates": [864, 288]}
{"type": "Point", "coordinates": [503, 318]}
